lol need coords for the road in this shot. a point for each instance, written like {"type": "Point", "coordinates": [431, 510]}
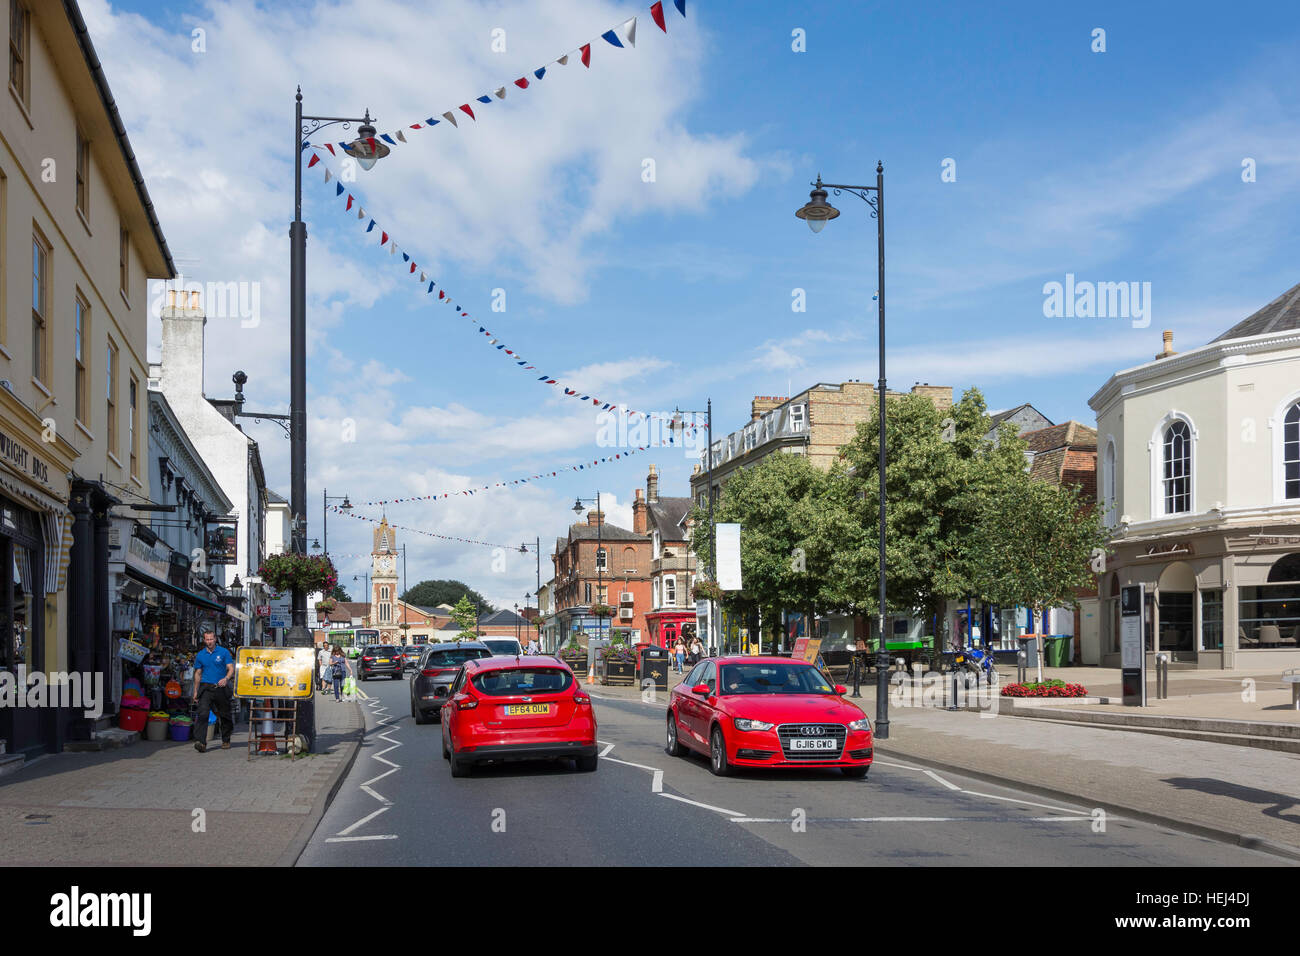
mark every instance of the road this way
{"type": "Point", "coordinates": [400, 806]}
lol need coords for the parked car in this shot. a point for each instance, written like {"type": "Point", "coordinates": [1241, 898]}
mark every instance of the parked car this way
{"type": "Point", "coordinates": [434, 673]}
{"type": "Point", "coordinates": [530, 708]}
{"type": "Point", "coordinates": [380, 660]}
{"type": "Point", "coordinates": [767, 712]}
{"type": "Point", "coordinates": [503, 646]}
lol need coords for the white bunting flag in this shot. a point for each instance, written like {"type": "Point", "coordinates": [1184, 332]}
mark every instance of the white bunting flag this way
{"type": "Point", "coordinates": [401, 136]}
{"type": "Point", "coordinates": [564, 60]}
{"type": "Point", "coordinates": [629, 32]}
{"type": "Point", "coordinates": [500, 92]}
{"type": "Point", "coordinates": [450, 118]}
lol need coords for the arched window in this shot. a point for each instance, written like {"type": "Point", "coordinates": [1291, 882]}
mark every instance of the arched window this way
{"type": "Point", "coordinates": [1291, 453]}
{"type": "Point", "coordinates": [1177, 483]}
{"type": "Point", "coordinates": [1285, 569]}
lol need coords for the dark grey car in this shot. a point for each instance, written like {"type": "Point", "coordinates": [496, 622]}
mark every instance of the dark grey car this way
{"type": "Point", "coordinates": [438, 667]}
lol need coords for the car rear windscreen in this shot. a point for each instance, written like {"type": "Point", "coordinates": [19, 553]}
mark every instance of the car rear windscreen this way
{"type": "Point", "coordinates": [523, 680]}
{"type": "Point", "coordinates": [456, 655]}
{"type": "Point", "coordinates": [382, 651]}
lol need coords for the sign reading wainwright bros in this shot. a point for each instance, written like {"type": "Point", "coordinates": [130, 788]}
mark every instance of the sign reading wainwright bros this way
{"type": "Point", "coordinates": [274, 672]}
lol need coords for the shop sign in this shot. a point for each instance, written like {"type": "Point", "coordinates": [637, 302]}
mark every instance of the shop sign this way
{"type": "Point", "coordinates": [274, 672]}
{"type": "Point", "coordinates": [221, 543]}
{"type": "Point", "coordinates": [153, 560]}
{"type": "Point", "coordinates": [263, 610]}
{"type": "Point", "coordinates": [25, 461]}
{"type": "Point", "coordinates": [807, 649]}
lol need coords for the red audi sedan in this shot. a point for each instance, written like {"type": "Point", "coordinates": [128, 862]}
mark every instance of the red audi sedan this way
{"type": "Point", "coordinates": [517, 708]}
{"type": "Point", "coordinates": [767, 712]}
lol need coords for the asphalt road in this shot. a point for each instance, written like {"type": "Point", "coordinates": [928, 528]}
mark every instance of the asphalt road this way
{"type": "Point", "coordinates": [400, 806]}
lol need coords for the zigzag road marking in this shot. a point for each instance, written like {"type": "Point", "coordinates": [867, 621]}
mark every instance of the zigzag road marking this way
{"type": "Point", "coordinates": [376, 708]}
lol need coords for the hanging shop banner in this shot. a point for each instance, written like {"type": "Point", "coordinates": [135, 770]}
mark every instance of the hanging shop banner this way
{"type": "Point", "coordinates": [727, 548]}
{"type": "Point", "coordinates": [222, 544]}
{"type": "Point", "coordinates": [274, 672]}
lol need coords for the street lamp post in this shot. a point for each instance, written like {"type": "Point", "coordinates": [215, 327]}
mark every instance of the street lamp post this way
{"type": "Point", "coordinates": [600, 553]}
{"type": "Point", "coordinates": [677, 425]}
{"type": "Point", "coordinates": [523, 549]}
{"type": "Point", "coordinates": [817, 212]}
{"type": "Point", "coordinates": [326, 498]}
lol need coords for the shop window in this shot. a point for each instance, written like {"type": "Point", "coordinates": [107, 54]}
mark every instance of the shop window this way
{"type": "Point", "coordinates": [1269, 617]}
{"type": "Point", "coordinates": [110, 389]}
{"type": "Point", "coordinates": [1177, 468]}
{"type": "Point", "coordinates": [1212, 620]}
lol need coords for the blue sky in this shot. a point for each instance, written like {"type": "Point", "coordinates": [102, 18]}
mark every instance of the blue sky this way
{"type": "Point", "coordinates": [1117, 166]}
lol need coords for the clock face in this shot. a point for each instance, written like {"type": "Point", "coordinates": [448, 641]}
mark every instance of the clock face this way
{"type": "Point", "coordinates": [385, 564]}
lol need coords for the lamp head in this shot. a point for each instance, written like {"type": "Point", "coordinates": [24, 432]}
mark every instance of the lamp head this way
{"type": "Point", "coordinates": [817, 211]}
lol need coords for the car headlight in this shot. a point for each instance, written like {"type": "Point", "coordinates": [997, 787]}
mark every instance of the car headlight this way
{"type": "Point", "coordinates": [860, 725]}
{"type": "Point", "coordinates": [742, 724]}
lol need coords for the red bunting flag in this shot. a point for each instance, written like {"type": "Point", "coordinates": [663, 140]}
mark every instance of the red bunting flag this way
{"type": "Point", "coordinates": [465, 109]}
{"type": "Point", "coordinates": [522, 82]}
{"type": "Point", "coordinates": [349, 201]}
{"type": "Point", "coordinates": [383, 237]}
{"type": "Point", "coordinates": [315, 158]}
{"type": "Point", "coordinates": [657, 12]}
{"type": "Point", "coordinates": [586, 55]}
{"type": "Point", "coordinates": [330, 147]}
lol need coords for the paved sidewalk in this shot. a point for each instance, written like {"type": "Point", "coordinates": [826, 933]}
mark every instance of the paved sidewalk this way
{"type": "Point", "coordinates": [138, 804]}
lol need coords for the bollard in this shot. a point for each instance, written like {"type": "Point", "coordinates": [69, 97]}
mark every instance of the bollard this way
{"type": "Point", "coordinates": [953, 704]}
{"type": "Point", "coordinates": [1022, 666]}
{"type": "Point", "coordinates": [1162, 676]}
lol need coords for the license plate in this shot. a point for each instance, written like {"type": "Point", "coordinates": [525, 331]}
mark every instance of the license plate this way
{"type": "Point", "coordinates": [384, 660]}
{"type": "Point", "coordinates": [814, 743]}
{"type": "Point", "coordinates": [523, 710]}
{"type": "Point", "coordinates": [960, 659]}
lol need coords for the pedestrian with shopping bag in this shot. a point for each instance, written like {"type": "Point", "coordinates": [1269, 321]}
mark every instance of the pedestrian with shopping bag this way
{"type": "Point", "coordinates": [323, 665]}
{"type": "Point", "coordinates": [339, 669]}
{"type": "Point", "coordinates": [214, 672]}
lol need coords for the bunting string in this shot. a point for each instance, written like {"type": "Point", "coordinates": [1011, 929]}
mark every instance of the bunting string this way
{"type": "Point", "coordinates": [621, 37]}
{"type": "Point", "coordinates": [500, 484]}
{"type": "Point", "coordinates": [430, 534]}
{"type": "Point", "coordinates": [411, 269]}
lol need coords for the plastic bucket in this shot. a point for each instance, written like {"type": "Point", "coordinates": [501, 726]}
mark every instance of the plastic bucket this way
{"type": "Point", "coordinates": [131, 719]}
{"type": "Point", "coordinates": [155, 730]}
{"type": "Point", "coordinates": [181, 731]}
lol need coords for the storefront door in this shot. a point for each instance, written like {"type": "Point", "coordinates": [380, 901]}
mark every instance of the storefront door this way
{"type": "Point", "coordinates": [28, 730]}
{"type": "Point", "coordinates": [1177, 636]}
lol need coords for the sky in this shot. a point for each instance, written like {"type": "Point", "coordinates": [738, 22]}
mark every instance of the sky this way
{"type": "Point", "coordinates": [629, 228]}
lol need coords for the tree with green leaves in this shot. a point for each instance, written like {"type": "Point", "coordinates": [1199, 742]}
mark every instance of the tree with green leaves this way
{"type": "Point", "coordinates": [1032, 546]}
{"type": "Point", "coordinates": [433, 593]}
{"type": "Point", "coordinates": [466, 617]}
{"type": "Point", "coordinates": [339, 594]}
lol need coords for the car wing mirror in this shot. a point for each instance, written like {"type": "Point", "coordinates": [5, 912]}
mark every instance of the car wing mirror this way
{"type": "Point", "coordinates": [701, 689]}
{"type": "Point", "coordinates": [841, 689]}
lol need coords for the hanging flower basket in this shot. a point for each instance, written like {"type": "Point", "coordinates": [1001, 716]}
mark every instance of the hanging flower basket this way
{"type": "Point", "coordinates": [309, 573]}
{"type": "Point", "coordinates": [602, 610]}
{"type": "Point", "coordinates": [326, 606]}
{"type": "Point", "coordinates": [706, 591]}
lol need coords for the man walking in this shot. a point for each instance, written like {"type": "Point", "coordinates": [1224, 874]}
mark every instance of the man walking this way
{"type": "Point", "coordinates": [214, 669]}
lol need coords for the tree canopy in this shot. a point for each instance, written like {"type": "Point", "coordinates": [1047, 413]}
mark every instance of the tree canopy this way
{"type": "Point", "coordinates": [466, 617]}
{"type": "Point", "coordinates": [433, 593]}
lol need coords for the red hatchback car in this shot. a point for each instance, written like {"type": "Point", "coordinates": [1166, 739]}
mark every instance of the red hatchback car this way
{"type": "Point", "coordinates": [517, 708]}
{"type": "Point", "coordinates": [767, 712]}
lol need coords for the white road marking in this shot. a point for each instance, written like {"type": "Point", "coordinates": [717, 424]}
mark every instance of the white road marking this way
{"type": "Point", "coordinates": [1028, 803]}
{"type": "Point", "coordinates": [628, 763]}
{"type": "Point", "coordinates": [384, 836]}
{"type": "Point", "coordinates": [608, 748]}
{"type": "Point", "coordinates": [729, 813]}
{"type": "Point", "coordinates": [914, 820]}
{"type": "Point", "coordinates": [657, 785]}
{"type": "Point", "coordinates": [362, 821]}
{"type": "Point", "coordinates": [950, 786]}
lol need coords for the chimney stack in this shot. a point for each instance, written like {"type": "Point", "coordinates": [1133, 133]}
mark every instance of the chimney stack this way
{"type": "Point", "coordinates": [652, 485]}
{"type": "Point", "coordinates": [1169, 345]}
{"type": "Point", "coordinates": [595, 518]}
{"type": "Point", "coordinates": [181, 368]}
{"type": "Point", "coordinates": [639, 523]}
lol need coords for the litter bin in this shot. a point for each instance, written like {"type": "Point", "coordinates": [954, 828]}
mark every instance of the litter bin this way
{"type": "Point", "coordinates": [1054, 652]}
{"type": "Point", "coordinates": [652, 665]}
{"type": "Point", "coordinates": [1029, 643]}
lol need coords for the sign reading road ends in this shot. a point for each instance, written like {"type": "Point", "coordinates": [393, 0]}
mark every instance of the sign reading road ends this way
{"type": "Point", "coordinates": [274, 672]}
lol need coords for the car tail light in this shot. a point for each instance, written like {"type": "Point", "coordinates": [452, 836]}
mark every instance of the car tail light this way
{"type": "Point", "coordinates": [581, 699]}
{"type": "Point", "coordinates": [430, 672]}
{"type": "Point", "coordinates": [367, 658]}
{"type": "Point", "coordinates": [466, 703]}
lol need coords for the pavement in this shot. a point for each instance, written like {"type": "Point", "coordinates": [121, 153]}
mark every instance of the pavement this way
{"type": "Point", "coordinates": [165, 803]}
{"type": "Point", "coordinates": [1227, 787]}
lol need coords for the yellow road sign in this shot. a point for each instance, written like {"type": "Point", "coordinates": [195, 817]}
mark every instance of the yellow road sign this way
{"type": "Point", "coordinates": [275, 672]}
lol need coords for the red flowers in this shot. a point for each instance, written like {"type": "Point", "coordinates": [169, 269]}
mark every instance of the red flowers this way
{"type": "Point", "coordinates": [1051, 688]}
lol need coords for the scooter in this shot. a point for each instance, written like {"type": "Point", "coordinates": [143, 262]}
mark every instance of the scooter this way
{"type": "Point", "coordinates": [977, 661]}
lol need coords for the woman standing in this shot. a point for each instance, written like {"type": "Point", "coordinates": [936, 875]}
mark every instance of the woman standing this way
{"type": "Point", "coordinates": [339, 669]}
{"type": "Point", "coordinates": [679, 654]}
{"type": "Point", "coordinates": [697, 650]}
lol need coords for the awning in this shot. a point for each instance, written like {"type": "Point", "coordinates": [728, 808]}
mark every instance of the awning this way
{"type": "Point", "coordinates": [187, 596]}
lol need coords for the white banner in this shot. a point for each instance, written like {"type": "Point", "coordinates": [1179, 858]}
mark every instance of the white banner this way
{"type": "Point", "coordinates": [727, 546]}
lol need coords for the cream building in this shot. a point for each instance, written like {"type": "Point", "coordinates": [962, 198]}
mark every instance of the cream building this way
{"type": "Point", "coordinates": [80, 238]}
{"type": "Point", "coordinates": [1199, 476]}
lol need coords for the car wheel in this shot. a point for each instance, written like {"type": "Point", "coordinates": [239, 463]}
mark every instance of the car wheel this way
{"type": "Point", "coordinates": [445, 754]}
{"type": "Point", "coordinates": [587, 764]}
{"type": "Point", "coordinates": [674, 748]}
{"type": "Point", "coordinates": [459, 768]}
{"type": "Point", "coordinates": [718, 754]}
{"type": "Point", "coordinates": [857, 772]}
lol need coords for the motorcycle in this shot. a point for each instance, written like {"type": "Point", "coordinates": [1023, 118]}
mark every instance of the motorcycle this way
{"type": "Point", "coordinates": [977, 661]}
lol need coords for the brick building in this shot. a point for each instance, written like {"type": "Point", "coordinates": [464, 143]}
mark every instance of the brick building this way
{"type": "Point", "coordinates": [672, 564]}
{"type": "Point", "coordinates": [618, 578]}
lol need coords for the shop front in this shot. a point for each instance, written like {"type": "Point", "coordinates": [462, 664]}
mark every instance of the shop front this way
{"type": "Point", "coordinates": [667, 627]}
{"type": "Point", "coordinates": [35, 542]}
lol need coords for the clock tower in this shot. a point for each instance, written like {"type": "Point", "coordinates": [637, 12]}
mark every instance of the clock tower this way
{"type": "Point", "coordinates": [383, 583]}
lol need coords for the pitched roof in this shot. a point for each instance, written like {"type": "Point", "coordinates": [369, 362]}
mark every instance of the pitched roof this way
{"type": "Point", "coordinates": [666, 514]}
{"type": "Point", "coordinates": [276, 498]}
{"type": "Point", "coordinates": [505, 616]}
{"type": "Point", "coordinates": [608, 532]}
{"type": "Point", "coordinates": [1280, 315]}
{"type": "Point", "coordinates": [997, 418]}
{"type": "Point", "coordinates": [1069, 434]}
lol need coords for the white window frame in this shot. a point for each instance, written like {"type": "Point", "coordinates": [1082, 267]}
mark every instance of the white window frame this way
{"type": "Point", "coordinates": [1156, 453]}
{"type": "Point", "coordinates": [670, 583]}
{"type": "Point", "coordinates": [658, 544]}
{"type": "Point", "coordinates": [1109, 471]}
{"type": "Point", "coordinates": [798, 418]}
{"type": "Point", "coordinates": [656, 594]}
{"type": "Point", "coordinates": [1277, 438]}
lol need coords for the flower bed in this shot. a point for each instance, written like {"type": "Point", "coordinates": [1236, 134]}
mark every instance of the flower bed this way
{"type": "Point", "coordinates": [1048, 688]}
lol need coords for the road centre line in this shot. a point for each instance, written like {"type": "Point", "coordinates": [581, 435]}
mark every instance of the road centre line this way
{"type": "Point", "coordinates": [1028, 803]}
{"type": "Point", "coordinates": [694, 803]}
{"type": "Point", "coordinates": [384, 836]}
{"type": "Point", "coordinates": [787, 820]}
{"type": "Point", "coordinates": [628, 763]}
{"type": "Point", "coordinates": [935, 776]}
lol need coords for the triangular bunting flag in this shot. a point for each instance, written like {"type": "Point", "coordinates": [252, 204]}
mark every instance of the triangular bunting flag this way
{"type": "Point", "coordinates": [539, 72]}
{"type": "Point", "coordinates": [328, 177]}
{"type": "Point", "coordinates": [564, 60]}
{"type": "Point", "coordinates": [412, 267]}
{"type": "Point", "coordinates": [406, 257]}
{"type": "Point", "coordinates": [657, 12]}
{"type": "Point", "coordinates": [388, 139]}
{"type": "Point", "coordinates": [338, 189]}
{"type": "Point", "coordinates": [400, 135]}
{"type": "Point", "coordinates": [484, 99]}
{"type": "Point", "coordinates": [681, 6]}
{"type": "Point", "coordinates": [450, 118]}
{"type": "Point", "coordinates": [610, 37]}
{"type": "Point", "coordinates": [464, 108]}
{"type": "Point", "coordinates": [500, 92]}
{"type": "Point", "coordinates": [383, 237]}
{"type": "Point", "coordinates": [330, 147]}
{"type": "Point", "coordinates": [522, 82]}
{"type": "Point", "coordinates": [349, 206]}
{"type": "Point", "coordinates": [629, 31]}
{"type": "Point", "coordinates": [586, 55]}
{"type": "Point", "coordinates": [315, 158]}
{"type": "Point", "coordinates": [371, 227]}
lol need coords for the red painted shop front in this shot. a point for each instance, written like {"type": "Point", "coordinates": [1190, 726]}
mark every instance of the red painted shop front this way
{"type": "Point", "coordinates": [667, 626]}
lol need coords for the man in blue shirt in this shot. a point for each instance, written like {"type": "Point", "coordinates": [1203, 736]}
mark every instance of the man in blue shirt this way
{"type": "Point", "coordinates": [214, 669]}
